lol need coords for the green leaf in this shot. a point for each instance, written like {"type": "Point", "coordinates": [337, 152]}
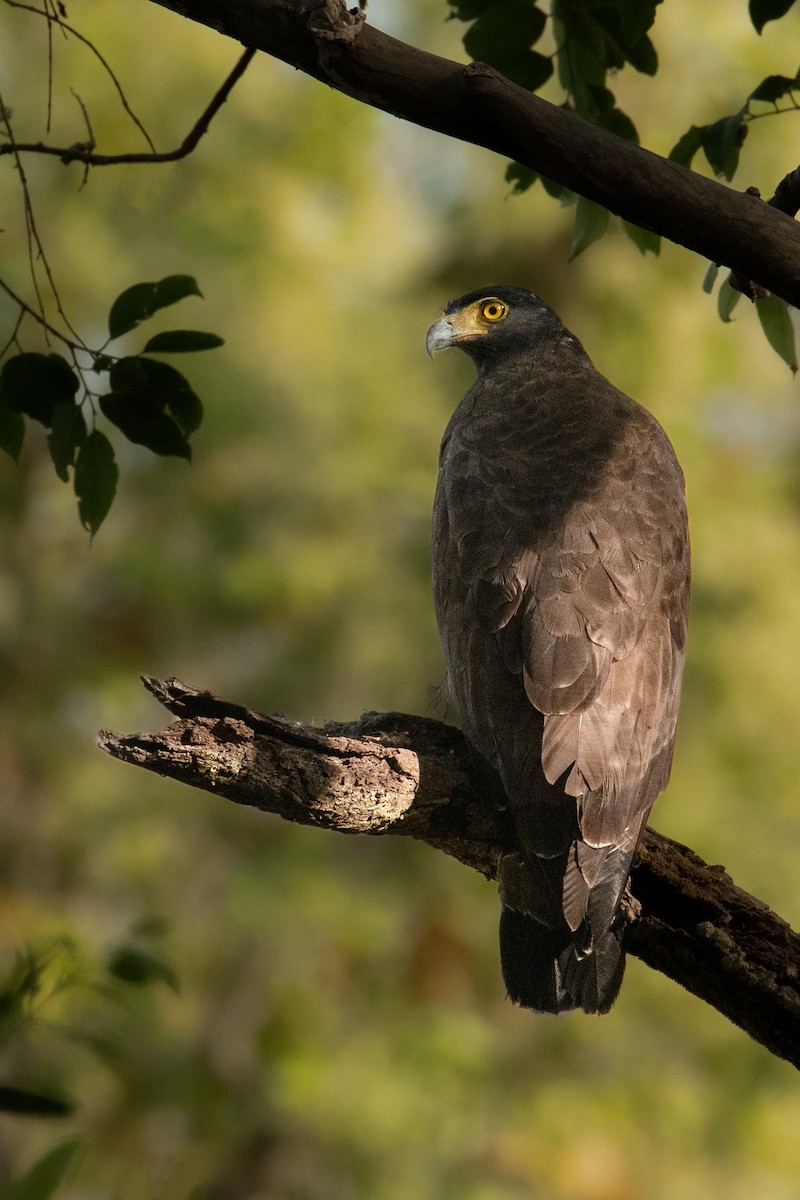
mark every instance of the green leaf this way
{"type": "Point", "coordinates": [520, 177]}
{"type": "Point", "coordinates": [637, 17]}
{"type": "Point", "coordinates": [163, 384]}
{"type": "Point", "coordinates": [579, 28]}
{"type": "Point", "coordinates": [33, 1104]}
{"type": "Point", "coordinates": [722, 142]}
{"type": "Point", "coordinates": [182, 341]}
{"type": "Point", "coordinates": [21, 984]}
{"type": "Point", "coordinates": [145, 423]}
{"type": "Point", "coordinates": [762, 11]}
{"type": "Point", "coordinates": [581, 54]}
{"type": "Point", "coordinates": [67, 435]}
{"type": "Point", "coordinates": [138, 303]}
{"type": "Point", "coordinates": [710, 278]}
{"type": "Point", "coordinates": [776, 321]}
{"type": "Point", "coordinates": [643, 57]}
{"type": "Point", "coordinates": [95, 480]}
{"type": "Point", "coordinates": [34, 383]}
{"type": "Point", "coordinates": [148, 387]}
{"type": "Point", "coordinates": [772, 88]}
{"type": "Point", "coordinates": [130, 964]}
{"type": "Point", "coordinates": [600, 107]}
{"type": "Point", "coordinates": [727, 299]}
{"type": "Point", "coordinates": [591, 222]}
{"type": "Point", "coordinates": [687, 146]}
{"type": "Point", "coordinates": [45, 1176]}
{"type": "Point", "coordinates": [503, 35]}
{"type": "Point", "coordinates": [616, 121]}
{"type": "Point", "coordinates": [559, 192]}
{"type": "Point", "coordinates": [644, 239]}
{"type": "Point", "coordinates": [12, 432]}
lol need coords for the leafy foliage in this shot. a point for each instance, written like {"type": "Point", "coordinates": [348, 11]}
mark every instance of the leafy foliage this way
{"type": "Point", "coordinates": [26, 1103]}
{"type": "Point", "coordinates": [149, 402]}
{"type": "Point", "coordinates": [776, 321]}
{"type": "Point", "coordinates": [592, 40]}
{"type": "Point", "coordinates": [762, 11]}
{"type": "Point", "coordinates": [181, 341]}
{"type": "Point", "coordinates": [32, 997]}
{"type": "Point", "coordinates": [132, 964]}
{"type": "Point", "coordinates": [727, 300]}
{"type": "Point", "coordinates": [143, 300]}
{"type": "Point", "coordinates": [722, 140]}
{"type": "Point", "coordinates": [503, 34]}
{"type": "Point", "coordinates": [96, 476]}
{"type": "Point", "coordinates": [45, 1176]}
{"type": "Point", "coordinates": [34, 384]}
{"type": "Point", "coordinates": [595, 38]}
{"type": "Point", "coordinates": [591, 222]}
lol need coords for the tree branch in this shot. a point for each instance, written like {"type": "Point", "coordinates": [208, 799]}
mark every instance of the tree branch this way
{"type": "Point", "coordinates": [476, 104]}
{"type": "Point", "coordinates": [395, 774]}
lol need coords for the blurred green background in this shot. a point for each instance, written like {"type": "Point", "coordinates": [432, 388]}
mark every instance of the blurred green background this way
{"type": "Point", "coordinates": [341, 1031]}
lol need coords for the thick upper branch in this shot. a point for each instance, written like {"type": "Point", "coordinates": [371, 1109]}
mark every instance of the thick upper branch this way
{"type": "Point", "coordinates": [475, 104]}
{"type": "Point", "coordinates": [391, 773]}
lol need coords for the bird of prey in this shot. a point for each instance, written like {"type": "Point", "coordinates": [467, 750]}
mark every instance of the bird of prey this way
{"type": "Point", "coordinates": [560, 561]}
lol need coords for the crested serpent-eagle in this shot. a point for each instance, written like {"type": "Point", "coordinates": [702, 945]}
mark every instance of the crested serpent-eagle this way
{"type": "Point", "coordinates": [560, 559]}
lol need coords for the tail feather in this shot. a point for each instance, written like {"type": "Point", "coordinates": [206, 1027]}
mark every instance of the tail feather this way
{"type": "Point", "coordinates": [592, 981]}
{"type": "Point", "coordinates": [555, 955]}
{"type": "Point", "coordinates": [548, 971]}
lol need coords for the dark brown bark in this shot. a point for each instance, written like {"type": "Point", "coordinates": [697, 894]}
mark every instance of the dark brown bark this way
{"type": "Point", "coordinates": [398, 774]}
{"type": "Point", "coordinates": [475, 104]}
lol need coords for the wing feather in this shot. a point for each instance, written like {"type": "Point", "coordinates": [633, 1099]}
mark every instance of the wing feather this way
{"type": "Point", "coordinates": [601, 661]}
{"type": "Point", "coordinates": [561, 584]}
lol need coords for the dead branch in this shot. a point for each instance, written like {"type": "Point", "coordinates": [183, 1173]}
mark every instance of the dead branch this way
{"type": "Point", "coordinates": [390, 773]}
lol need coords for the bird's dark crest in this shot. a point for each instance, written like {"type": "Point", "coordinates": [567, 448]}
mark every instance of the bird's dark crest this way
{"type": "Point", "coordinates": [516, 296]}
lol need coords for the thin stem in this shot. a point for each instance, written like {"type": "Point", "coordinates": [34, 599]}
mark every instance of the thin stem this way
{"type": "Point", "coordinates": [57, 19]}
{"type": "Point", "coordinates": [189, 143]}
{"type": "Point", "coordinates": [12, 341]}
{"type": "Point", "coordinates": [40, 320]}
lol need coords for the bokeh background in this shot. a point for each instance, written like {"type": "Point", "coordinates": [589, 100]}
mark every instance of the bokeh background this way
{"type": "Point", "coordinates": [341, 1031]}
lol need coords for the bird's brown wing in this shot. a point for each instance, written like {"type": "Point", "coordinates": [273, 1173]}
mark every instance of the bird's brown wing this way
{"type": "Point", "coordinates": [561, 571]}
{"type": "Point", "coordinates": [595, 623]}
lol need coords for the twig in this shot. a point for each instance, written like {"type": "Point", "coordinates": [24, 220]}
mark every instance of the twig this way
{"type": "Point", "coordinates": [35, 245]}
{"type": "Point", "coordinates": [12, 340]}
{"type": "Point", "coordinates": [50, 18]}
{"type": "Point", "coordinates": [89, 130]}
{"type": "Point", "coordinates": [55, 18]}
{"type": "Point", "coordinates": [199, 129]}
{"type": "Point", "coordinates": [40, 319]}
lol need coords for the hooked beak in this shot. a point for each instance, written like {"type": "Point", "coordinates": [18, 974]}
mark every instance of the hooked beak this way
{"type": "Point", "coordinates": [440, 335]}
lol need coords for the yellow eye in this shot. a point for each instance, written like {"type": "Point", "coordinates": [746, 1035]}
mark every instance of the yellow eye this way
{"type": "Point", "coordinates": [493, 310]}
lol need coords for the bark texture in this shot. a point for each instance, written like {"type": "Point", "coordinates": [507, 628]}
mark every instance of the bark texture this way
{"type": "Point", "coordinates": [474, 103]}
{"type": "Point", "coordinates": [390, 773]}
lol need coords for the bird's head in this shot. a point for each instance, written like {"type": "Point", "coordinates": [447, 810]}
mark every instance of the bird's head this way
{"type": "Point", "coordinates": [495, 322]}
